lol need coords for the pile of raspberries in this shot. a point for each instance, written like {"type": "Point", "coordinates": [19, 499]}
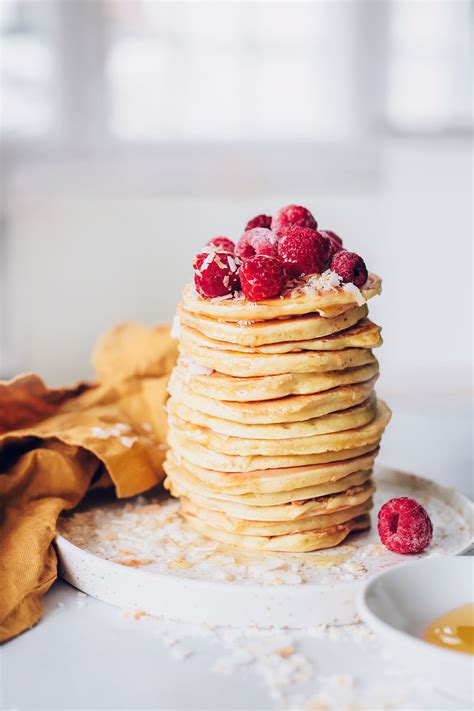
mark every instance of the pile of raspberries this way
{"type": "Point", "coordinates": [271, 250]}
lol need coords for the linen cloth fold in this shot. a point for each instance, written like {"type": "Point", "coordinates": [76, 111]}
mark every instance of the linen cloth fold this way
{"type": "Point", "coordinates": [58, 443]}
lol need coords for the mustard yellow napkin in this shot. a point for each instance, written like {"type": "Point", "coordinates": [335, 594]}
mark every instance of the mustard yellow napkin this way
{"type": "Point", "coordinates": [56, 444]}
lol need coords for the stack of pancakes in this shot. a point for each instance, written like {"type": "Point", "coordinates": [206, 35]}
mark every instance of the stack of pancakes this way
{"type": "Point", "coordinates": [274, 424]}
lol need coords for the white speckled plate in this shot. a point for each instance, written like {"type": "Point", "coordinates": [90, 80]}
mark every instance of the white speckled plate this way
{"type": "Point", "coordinates": [142, 555]}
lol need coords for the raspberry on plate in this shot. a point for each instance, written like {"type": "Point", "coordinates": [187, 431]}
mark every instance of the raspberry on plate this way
{"type": "Point", "coordinates": [335, 242]}
{"type": "Point", "coordinates": [292, 215]}
{"type": "Point", "coordinates": [302, 250]}
{"type": "Point", "coordinates": [258, 240]}
{"type": "Point", "coordinates": [404, 526]}
{"type": "Point", "coordinates": [262, 277]}
{"type": "Point", "coordinates": [350, 267]}
{"type": "Point", "coordinates": [216, 273]}
{"type": "Point", "coordinates": [222, 243]}
{"type": "Point", "coordinates": [259, 221]}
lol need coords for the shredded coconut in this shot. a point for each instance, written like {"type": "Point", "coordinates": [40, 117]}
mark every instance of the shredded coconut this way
{"type": "Point", "coordinates": [219, 262]}
{"type": "Point", "coordinates": [176, 327]}
{"type": "Point", "coordinates": [193, 368]}
{"type": "Point", "coordinates": [216, 299]}
{"type": "Point", "coordinates": [356, 293]}
{"type": "Point", "coordinates": [207, 261]}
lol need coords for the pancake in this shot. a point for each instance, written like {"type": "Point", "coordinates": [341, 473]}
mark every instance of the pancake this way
{"type": "Point", "coordinates": [242, 526]}
{"type": "Point", "coordinates": [252, 364]}
{"type": "Point", "coordinates": [283, 512]}
{"type": "Point", "coordinates": [204, 457]}
{"type": "Point", "coordinates": [293, 408]}
{"type": "Point", "coordinates": [245, 333]}
{"type": "Point", "coordinates": [363, 334]}
{"type": "Point", "coordinates": [225, 387]}
{"type": "Point", "coordinates": [293, 542]}
{"type": "Point", "coordinates": [293, 302]}
{"type": "Point", "coordinates": [270, 487]}
{"type": "Point", "coordinates": [368, 434]}
{"type": "Point", "coordinates": [280, 482]}
{"type": "Point", "coordinates": [335, 422]}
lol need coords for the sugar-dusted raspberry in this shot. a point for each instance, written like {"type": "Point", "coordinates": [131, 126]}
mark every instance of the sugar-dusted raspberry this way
{"type": "Point", "coordinates": [216, 273]}
{"type": "Point", "coordinates": [404, 526]}
{"type": "Point", "coordinates": [259, 221]}
{"type": "Point", "coordinates": [292, 215]}
{"type": "Point", "coordinates": [222, 243]}
{"type": "Point", "coordinates": [262, 277]}
{"type": "Point", "coordinates": [350, 267]}
{"type": "Point", "coordinates": [302, 250]}
{"type": "Point", "coordinates": [335, 242]}
{"type": "Point", "coordinates": [258, 240]}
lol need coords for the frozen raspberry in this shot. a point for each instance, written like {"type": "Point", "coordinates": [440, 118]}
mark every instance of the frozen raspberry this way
{"type": "Point", "coordinates": [262, 277]}
{"type": "Point", "coordinates": [335, 242]}
{"type": "Point", "coordinates": [302, 250]}
{"type": "Point", "coordinates": [258, 240]}
{"type": "Point", "coordinates": [350, 267]}
{"type": "Point", "coordinates": [216, 273]}
{"type": "Point", "coordinates": [224, 244]}
{"type": "Point", "coordinates": [259, 221]}
{"type": "Point", "coordinates": [292, 215]}
{"type": "Point", "coordinates": [404, 526]}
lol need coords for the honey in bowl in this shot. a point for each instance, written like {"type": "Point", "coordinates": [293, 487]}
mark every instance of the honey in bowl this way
{"type": "Point", "coordinates": [453, 630]}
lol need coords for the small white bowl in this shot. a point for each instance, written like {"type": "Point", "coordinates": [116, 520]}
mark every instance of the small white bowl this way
{"type": "Point", "coordinates": [400, 603]}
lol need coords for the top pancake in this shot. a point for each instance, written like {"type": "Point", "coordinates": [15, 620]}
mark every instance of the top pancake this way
{"type": "Point", "coordinates": [293, 302]}
{"type": "Point", "coordinates": [278, 330]}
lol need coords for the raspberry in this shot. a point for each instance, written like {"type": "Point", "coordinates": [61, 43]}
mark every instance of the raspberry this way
{"type": "Point", "coordinates": [404, 526]}
{"type": "Point", "coordinates": [302, 250]}
{"type": "Point", "coordinates": [292, 215]}
{"type": "Point", "coordinates": [262, 277]}
{"type": "Point", "coordinates": [259, 221]}
{"type": "Point", "coordinates": [222, 243]}
{"type": "Point", "coordinates": [335, 242]}
{"type": "Point", "coordinates": [350, 267]}
{"type": "Point", "coordinates": [258, 240]}
{"type": "Point", "coordinates": [216, 273]}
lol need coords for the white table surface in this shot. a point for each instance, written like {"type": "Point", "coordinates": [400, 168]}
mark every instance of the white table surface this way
{"type": "Point", "coordinates": [87, 655]}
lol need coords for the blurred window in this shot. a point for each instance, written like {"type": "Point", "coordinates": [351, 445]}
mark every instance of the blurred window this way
{"type": "Point", "coordinates": [238, 70]}
{"type": "Point", "coordinates": [115, 71]}
{"type": "Point", "coordinates": [27, 100]}
{"type": "Point", "coordinates": [429, 84]}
